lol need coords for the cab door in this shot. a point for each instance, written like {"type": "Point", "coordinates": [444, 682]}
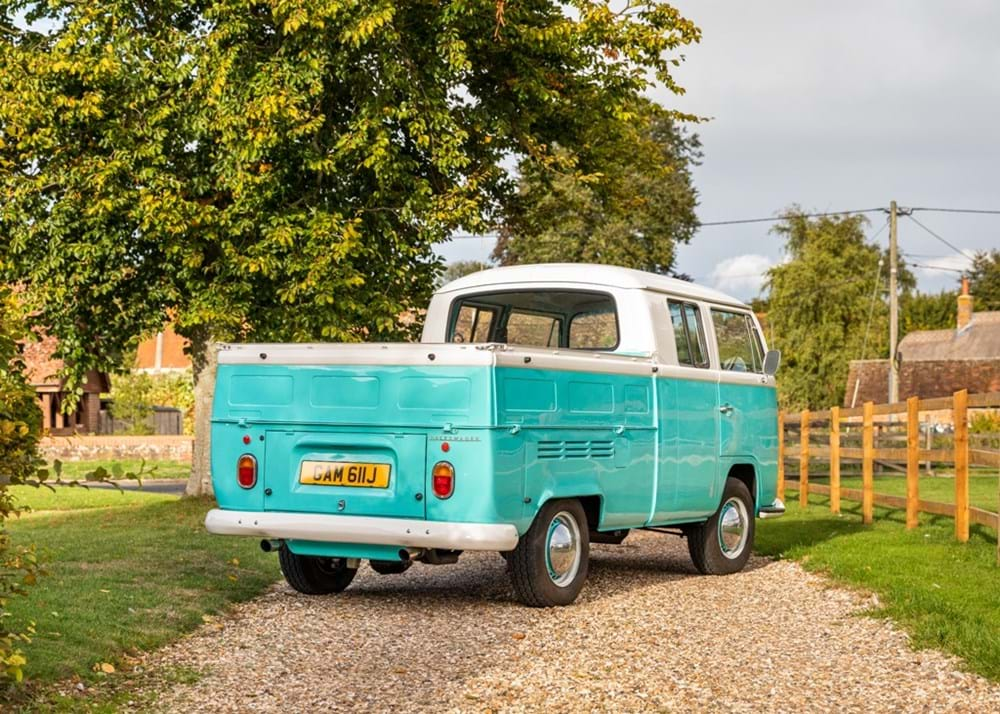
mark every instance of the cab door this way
{"type": "Point", "coordinates": [746, 398]}
{"type": "Point", "coordinates": [688, 400]}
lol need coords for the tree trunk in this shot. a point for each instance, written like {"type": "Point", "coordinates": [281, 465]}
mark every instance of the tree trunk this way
{"type": "Point", "coordinates": [204, 359]}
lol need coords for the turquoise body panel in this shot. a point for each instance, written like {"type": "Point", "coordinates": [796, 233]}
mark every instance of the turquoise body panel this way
{"type": "Point", "coordinates": [646, 449]}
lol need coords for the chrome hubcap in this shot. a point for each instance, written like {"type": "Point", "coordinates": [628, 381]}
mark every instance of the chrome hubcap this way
{"type": "Point", "coordinates": [562, 549]}
{"type": "Point", "coordinates": [733, 528]}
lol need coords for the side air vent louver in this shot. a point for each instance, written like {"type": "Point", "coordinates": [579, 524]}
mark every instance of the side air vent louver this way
{"type": "Point", "coordinates": [576, 449]}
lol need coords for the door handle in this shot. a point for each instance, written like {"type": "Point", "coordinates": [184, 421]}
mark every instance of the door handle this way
{"type": "Point", "coordinates": [726, 409]}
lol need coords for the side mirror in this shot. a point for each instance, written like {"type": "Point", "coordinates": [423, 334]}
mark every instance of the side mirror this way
{"type": "Point", "coordinates": [771, 361]}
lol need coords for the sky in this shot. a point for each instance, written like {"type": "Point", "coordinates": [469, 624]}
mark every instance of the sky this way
{"type": "Point", "coordinates": [837, 106]}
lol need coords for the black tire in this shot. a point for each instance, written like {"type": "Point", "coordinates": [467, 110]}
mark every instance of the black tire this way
{"type": "Point", "coordinates": [390, 567]}
{"type": "Point", "coordinates": [314, 575]}
{"type": "Point", "coordinates": [535, 583]}
{"type": "Point", "coordinates": [705, 540]}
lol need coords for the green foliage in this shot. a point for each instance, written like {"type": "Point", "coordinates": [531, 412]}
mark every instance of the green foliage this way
{"type": "Point", "coordinates": [461, 268]}
{"type": "Point", "coordinates": [135, 394]}
{"type": "Point", "coordinates": [281, 170]}
{"type": "Point", "coordinates": [984, 280]}
{"type": "Point", "coordinates": [924, 311]}
{"type": "Point", "coordinates": [20, 423]}
{"type": "Point", "coordinates": [985, 425]}
{"type": "Point", "coordinates": [627, 200]}
{"type": "Point", "coordinates": [820, 302]}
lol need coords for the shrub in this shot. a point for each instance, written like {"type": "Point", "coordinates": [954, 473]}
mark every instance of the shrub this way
{"type": "Point", "coordinates": [20, 424]}
{"type": "Point", "coordinates": [985, 425]}
{"type": "Point", "coordinates": [135, 394]}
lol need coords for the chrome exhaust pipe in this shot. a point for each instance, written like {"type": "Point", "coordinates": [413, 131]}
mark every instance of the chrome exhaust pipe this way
{"type": "Point", "coordinates": [270, 546]}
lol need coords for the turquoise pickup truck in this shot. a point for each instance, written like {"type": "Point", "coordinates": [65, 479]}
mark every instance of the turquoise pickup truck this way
{"type": "Point", "coordinates": [546, 407]}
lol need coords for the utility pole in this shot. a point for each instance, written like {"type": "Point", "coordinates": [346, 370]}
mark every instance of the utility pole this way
{"type": "Point", "coordinates": [893, 308]}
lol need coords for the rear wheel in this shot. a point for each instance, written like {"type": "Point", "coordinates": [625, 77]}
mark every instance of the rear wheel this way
{"type": "Point", "coordinates": [315, 575]}
{"type": "Point", "coordinates": [549, 565]}
{"type": "Point", "coordinates": [722, 544]}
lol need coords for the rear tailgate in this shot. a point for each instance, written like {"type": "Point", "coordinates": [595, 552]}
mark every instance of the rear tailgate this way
{"type": "Point", "coordinates": [355, 473]}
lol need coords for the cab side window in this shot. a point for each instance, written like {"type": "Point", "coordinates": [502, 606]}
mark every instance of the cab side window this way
{"type": "Point", "coordinates": [473, 324]}
{"type": "Point", "coordinates": [739, 346]}
{"type": "Point", "coordinates": [689, 334]}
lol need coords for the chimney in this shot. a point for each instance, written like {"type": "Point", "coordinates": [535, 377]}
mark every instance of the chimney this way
{"type": "Point", "coordinates": [964, 305]}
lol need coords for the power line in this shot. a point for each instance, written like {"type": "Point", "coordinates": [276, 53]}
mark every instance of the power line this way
{"type": "Point", "coordinates": [786, 216]}
{"type": "Point", "coordinates": [936, 267]}
{"type": "Point", "coordinates": [986, 211]}
{"type": "Point", "coordinates": [935, 235]}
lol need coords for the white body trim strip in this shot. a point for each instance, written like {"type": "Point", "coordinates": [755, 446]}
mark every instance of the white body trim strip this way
{"type": "Point", "coordinates": [365, 530]}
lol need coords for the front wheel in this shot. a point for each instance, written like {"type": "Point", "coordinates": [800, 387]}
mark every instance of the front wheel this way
{"type": "Point", "coordinates": [315, 575]}
{"type": "Point", "coordinates": [549, 565]}
{"type": "Point", "coordinates": [722, 544]}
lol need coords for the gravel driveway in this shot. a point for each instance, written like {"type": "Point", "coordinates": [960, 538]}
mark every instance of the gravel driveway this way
{"type": "Point", "coordinates": [647, 634]}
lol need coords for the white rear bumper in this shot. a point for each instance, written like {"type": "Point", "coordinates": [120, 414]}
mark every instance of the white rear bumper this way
{"type": "Point", "coordinates": [362, 529]}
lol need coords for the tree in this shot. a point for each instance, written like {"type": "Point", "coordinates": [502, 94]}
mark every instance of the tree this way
{"type": "Point", "coordinates": [924, 311]}
{"type": "Point", "coordinates": [461, 268]}
{"type": "Point", "coordinates": [984, 280]}
{"type": "Point", "coordinates": [630, 201]}
{"type": "Point", "coordinates": [821, 310]}
{"type": "Point", "coordinates": [281, 171]}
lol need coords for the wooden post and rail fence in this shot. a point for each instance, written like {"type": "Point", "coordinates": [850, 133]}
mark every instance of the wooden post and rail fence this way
{"type": "Point", "coordinates": [907, 414]}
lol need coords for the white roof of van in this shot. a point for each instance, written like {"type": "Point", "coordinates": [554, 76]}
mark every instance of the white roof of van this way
{"type": "Point", "coordinates": [591, 275]}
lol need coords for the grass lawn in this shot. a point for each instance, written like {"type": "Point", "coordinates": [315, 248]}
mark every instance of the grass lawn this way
{"type": "Point", "coordinates": [66, 498]}
{"type": "Point", "coordinates": [945, 593]}
{"type": "Point", "coordinates": [130, 576]}
{"type": "Point", "coordinates": [164, 468]}
{"type": "Point", "coordinates": [982, 488]}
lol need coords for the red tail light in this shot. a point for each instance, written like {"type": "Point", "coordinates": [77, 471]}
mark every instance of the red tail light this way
{"type": "Point", "coordinates": [246, 471]}
{"type": "Point", "coordinates": [443, 479]}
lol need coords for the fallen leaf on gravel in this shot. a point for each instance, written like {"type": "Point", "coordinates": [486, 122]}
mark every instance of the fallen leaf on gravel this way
{"type": "Point", "coordinates": [106, 667]}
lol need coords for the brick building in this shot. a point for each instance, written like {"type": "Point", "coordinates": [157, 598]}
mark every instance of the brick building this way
{"type": "Point", "coordinates": [935, 363]}
{"type": "Point", "coordinates": [41, 369]}
{"type": "Point", "coordinates": [163, 353]}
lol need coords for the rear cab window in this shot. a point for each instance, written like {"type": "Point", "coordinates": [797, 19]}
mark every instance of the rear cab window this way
{"type": "Point", "coordinates": [740, 348]}
{"type": "Point", "coordinates": [571, 319]}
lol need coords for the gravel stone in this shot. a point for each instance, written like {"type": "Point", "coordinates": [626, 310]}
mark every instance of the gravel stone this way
{"type": "Point", "coordinates": [647, 634]}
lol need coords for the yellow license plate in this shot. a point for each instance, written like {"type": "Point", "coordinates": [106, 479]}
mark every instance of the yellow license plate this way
{"type": "Point", "coordinates": [343, 473]}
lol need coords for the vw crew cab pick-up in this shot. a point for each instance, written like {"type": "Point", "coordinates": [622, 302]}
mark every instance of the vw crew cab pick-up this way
{"type": "Point", "coordinates": [545, 408]}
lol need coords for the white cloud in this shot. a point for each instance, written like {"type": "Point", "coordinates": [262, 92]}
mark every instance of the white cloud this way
{"type": "Point", "coordinates": [945, 265]}
{"type": "Point", "coordinates": [741, 275]}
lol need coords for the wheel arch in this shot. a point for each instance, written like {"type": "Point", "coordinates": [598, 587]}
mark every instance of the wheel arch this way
{"type": "Point", "coordinates": [593, 504]}
{"type": "Point", "coordinates": [747, 473]}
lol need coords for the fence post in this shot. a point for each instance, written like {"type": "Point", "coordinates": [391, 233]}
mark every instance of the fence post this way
{"type": "Point", "coordinates": [867, 464]}
{"type": "Point", "coordinates": [912, 462]}
{"type": "Point", "coordinates": [835, 459]}
{"type": "Point", "coordinates": [781, 455]}
{"type": "Point", "coordinates": [959, 412]}
{"type": "Point", "coordinates": [804, 460]}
